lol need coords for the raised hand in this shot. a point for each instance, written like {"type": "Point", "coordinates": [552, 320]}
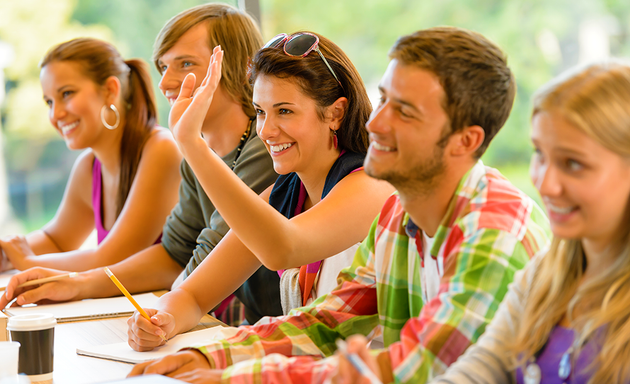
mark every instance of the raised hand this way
{"type": "Point", "coordinates": [144, 335]}
{"type": "Point", "coordinates": [190, 108]}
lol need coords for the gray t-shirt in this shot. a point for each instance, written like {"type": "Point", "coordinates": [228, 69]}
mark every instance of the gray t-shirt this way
{"type": "Point", "coordinates": [194, 227]}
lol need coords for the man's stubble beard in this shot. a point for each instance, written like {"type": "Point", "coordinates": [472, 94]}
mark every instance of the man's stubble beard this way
{"type": "Point", "coordinates": [419, 180]}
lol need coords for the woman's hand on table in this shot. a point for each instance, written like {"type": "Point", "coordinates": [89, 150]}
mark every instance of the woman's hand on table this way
{"type": "Point", "coordinates": [144, 335]}
{"type": "Point", "coordinates": [17, 251]}
{"type": "Point", "coordinates": [55, 291]}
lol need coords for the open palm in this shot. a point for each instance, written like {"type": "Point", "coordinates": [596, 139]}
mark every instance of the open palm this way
{"type": "Point", "coordinates": [190, 108]}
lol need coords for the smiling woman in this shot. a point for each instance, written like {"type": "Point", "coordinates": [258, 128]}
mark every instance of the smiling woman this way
{"type": "Point", "coordinates": [309, 222]}
{"type": "Point", "coordinates": [125, 182]}
{"type": "Point", "coordinates": [566, 318]}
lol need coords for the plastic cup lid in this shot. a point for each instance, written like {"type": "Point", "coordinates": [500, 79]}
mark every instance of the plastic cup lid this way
{"type": "Point", "coordinates": [31, 322]}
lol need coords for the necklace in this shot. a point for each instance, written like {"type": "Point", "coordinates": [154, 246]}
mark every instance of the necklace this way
{"type": "Point", "coordinates": [241, 144]}
{"type": "Point", "coordinates": [533, 375]}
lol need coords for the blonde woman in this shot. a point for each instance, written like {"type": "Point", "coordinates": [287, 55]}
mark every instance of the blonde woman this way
{"type": "Point", "coordinates": [566, 318]}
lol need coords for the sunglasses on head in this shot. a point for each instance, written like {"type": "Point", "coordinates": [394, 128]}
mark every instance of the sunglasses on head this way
{"type": "Point", "coordinates": [300, 45]}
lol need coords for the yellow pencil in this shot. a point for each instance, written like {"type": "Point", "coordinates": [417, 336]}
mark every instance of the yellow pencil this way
{"type": "Point", "coordinates": [128, 296]}
{"type": "Point", "coordinates": [45, 280]}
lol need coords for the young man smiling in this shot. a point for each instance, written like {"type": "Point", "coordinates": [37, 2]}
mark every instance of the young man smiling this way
{"type": "Point", "coordinates": [438, 259]}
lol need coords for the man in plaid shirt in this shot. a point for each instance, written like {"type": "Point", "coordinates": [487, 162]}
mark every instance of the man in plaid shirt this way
{"type": "Point", "coordinates": [438, 259]}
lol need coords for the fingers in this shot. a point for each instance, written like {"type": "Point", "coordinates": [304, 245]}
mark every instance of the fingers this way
{"type": "Point", "coordinates": [145, 335]}
{"type": "Point", "coordinates": [177, 362]}
{"type": "Point", "coordinates": [32, 274]}
{"type": "Point", "coordinates": [213, 76]}
{"type": "Point", "coordinates": [188, 86]}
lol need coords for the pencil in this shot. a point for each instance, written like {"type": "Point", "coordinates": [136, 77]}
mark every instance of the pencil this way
{"type": "Point", "coordinates": [128, 296]}
{"type": "Point", "coordinates": [45, 280]}
{"type": "Point", "coordinates": [357, 363]}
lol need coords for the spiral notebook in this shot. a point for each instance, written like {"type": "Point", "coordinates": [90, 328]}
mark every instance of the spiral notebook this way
{"type": "Point", "coordinates": [89, 309]}
{"type": "Point", "coordinates": [122, 352]}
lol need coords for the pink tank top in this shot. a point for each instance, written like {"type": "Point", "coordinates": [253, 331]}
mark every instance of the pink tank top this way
{"type": "Point", "coordinates": [97, 191]}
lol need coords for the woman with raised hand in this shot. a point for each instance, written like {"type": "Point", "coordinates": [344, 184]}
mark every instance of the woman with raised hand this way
{"type": "Point", "coordinates": [566, 318]}
{"type": "Point", "coordinates": [125, 182]}
{"type": "Point", "coordinates": [312, 108]}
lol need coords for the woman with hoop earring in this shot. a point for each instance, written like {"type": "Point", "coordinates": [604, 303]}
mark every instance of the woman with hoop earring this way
{"type": "Point", "coordinates": [125, 182]}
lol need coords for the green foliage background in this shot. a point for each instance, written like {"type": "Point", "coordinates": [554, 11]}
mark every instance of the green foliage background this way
{"type": "Point", "coordinates": [365, 29]}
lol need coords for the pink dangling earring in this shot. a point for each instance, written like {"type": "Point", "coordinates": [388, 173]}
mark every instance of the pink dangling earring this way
{"type": "Point", "coordinates": [335, 142]}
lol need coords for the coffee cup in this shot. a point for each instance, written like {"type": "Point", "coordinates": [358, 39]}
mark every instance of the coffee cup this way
{"type": "Point", "coordinates": [36, 334]}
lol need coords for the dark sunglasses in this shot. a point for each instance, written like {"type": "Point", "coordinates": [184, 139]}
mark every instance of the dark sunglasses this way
{"type": "Point", "coordinates": [300, 45]}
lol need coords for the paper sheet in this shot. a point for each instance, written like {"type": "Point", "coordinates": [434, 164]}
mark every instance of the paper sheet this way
{"type": "Point", "coordinates": [122, 351]}
{"type": "Point", "coordinates": [88, 309]}
{"type": "Point", "coordinates": [6, 276]}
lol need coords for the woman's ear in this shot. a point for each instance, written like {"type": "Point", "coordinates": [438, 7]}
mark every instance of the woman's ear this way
{"type": "Point", "coordinates": [112, 90]}
{"type": "Point", "coordinates": [337, 110]}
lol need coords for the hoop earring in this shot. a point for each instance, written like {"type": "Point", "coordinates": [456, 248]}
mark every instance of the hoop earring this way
{"type": "Point", "coordinates": [113, 108]}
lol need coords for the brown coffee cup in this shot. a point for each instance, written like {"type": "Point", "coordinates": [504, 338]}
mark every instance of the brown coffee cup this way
{"type": "Point", "coordinates": [36, 334]}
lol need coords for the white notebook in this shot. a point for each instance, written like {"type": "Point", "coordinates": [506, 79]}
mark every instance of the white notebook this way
{"type": "Point", "coordinates": [122, 351]}
{"type": "Point", "coordinates": [89, 309]}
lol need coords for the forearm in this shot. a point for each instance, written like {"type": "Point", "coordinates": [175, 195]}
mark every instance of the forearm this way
{"type": "Point", "coordinates": [261, 226]}
{"type": "Point", "coordinates": [183, 307]}
{"type": "Point", "coordinates": [75, 261]}
{"type": "Point", "coordinates": [149, 270]}
{"type": "Point", "coordinates": [41, 243]}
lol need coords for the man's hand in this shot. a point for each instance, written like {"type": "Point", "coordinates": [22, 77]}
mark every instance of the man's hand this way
{"type": "Point", "coordinates": [346, 373]}
{"type": "Point", "coordinates": [177, 364]}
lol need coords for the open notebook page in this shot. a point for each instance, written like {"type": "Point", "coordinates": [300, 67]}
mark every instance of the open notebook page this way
{"type": "Point", "coordinates": [88, 309]}
{"type": "Point", "coordinates": [122, 351]}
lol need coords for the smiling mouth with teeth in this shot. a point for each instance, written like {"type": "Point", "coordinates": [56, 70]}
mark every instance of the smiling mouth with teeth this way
{"type": "Point", "coordinates": [280, 147]}
{"type": "Point", "coordinates": [381, 147]}
{"type": "Point", "coordinates": [561, 210]}
{"type": "Point", "coordinates": [69, 127]}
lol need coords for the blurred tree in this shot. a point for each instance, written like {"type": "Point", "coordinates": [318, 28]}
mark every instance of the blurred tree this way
{"type": "Point", "coordinates": [540, 38]}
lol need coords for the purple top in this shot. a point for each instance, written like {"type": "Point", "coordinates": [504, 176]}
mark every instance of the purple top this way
{"type": "Point", "coordinates": [558, 343]}
{"type": "Point", "coordinates": [97, 200]}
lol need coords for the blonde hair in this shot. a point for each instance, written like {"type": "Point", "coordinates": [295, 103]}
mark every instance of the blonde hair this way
{"type": "Point", "coordinates": [596, 100]}
{"type": "Point", "coordinates": [234, 30]}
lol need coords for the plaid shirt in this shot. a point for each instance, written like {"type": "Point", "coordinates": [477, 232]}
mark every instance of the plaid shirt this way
{"type": "Point", "coordinates": [489, 232]}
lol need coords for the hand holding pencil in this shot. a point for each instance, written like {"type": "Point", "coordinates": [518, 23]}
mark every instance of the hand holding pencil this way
{"type": "Point", "coordinates": [42, 285]}
{"type": "Point", "coordinates": [356, 364]}
{"type": "Point", "coordinates": [141, 311]}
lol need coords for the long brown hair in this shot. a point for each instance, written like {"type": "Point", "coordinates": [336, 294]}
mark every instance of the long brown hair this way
{"type": "Point", "coordinates": [595, 100]}
{"type": "Point", "coordinates": [315, 80]}
{"type": "Point", "coordinates": [98, 60]}
{"type": "Point", "coordinates": [228, 27]}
